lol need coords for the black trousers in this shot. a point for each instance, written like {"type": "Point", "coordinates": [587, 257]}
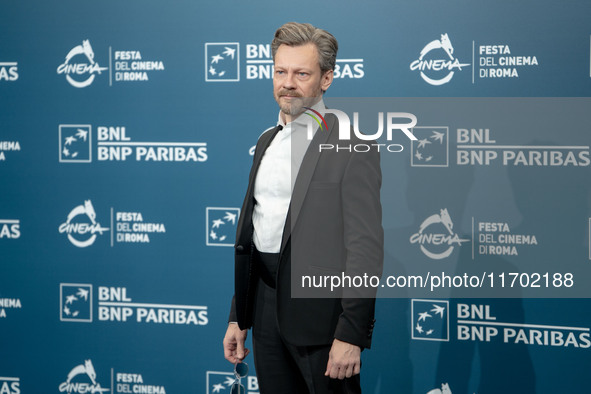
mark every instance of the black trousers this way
{"type": "Point", "coordinates": [280, 366]}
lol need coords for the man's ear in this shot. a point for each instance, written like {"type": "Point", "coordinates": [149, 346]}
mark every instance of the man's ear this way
{"type": "Point", "coordinates": [326, 80]}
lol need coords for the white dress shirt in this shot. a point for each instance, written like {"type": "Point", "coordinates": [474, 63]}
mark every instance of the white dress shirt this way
{"type": "Point", "coordinates": [276, 177]}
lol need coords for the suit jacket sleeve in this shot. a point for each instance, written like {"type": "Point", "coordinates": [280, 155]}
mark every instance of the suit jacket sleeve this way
{"type": "Point", "coordinates": [364, 243]}
{"type": "Point", "coordinates": [233, 317]}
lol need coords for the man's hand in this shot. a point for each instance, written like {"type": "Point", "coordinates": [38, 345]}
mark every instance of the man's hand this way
{"type": "Point", "coordinates": [344, 360]}
{"type": "Point", "coordinates": [234, 350]}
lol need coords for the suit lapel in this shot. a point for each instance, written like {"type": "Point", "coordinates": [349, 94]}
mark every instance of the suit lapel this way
{"type": "Point", "coordinates": [304, 178]}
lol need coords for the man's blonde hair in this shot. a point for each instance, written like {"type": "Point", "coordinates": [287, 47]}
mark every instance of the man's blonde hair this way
{"type": "Point", "coordinates": [296, 34]}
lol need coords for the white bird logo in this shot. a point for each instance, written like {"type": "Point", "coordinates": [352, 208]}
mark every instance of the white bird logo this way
{"type": "Point", "coordinates": [82, 134]}
{"type": "Point", "coordinates": [82, 293]}
{"type": "Point", "coordinates": [229, 52]}
{"type": "Point", "coordinates": [438, 136]}
{"type": "Point", "coordinates": [230, 217]}
{"type": "Point", "coordinates": [438, 310]}
{"type": "Point", "coordinates": [423, 142]}
{"type": "Point", "coordinates": [423, 316]}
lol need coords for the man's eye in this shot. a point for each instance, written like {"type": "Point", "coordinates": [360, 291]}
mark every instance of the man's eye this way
{"type": "Point", "coordinates": [279, 72]}
{"type": "Point", "coordinates": [303, 74]}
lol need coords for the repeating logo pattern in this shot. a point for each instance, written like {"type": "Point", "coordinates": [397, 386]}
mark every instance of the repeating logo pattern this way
{"type": "Point", "coordinates": [221, 226]}
{"type": "Point", "coordinates": [10, 385]}
{"type": "Point", "coordinates": [8, 71]}
{"type": "Point", "coordinates": [222, 62]}
{"type": "Point", "coordinates": [76, 302]}
{"type": "Point", "coordinates": [430, 320]}
{"type": "Point", "coordinates": [81, 225]}
{"type": "Point", "coordinates": [10, 228]}
{"type": "Point", "coordinates": [436, 237]}
{"type": "Point", "coordinates": [75, 143]}
{"type": "Point", "coordinates": [219, 382]}
{"type": "Point", "coordinates": [82, 379]}
{"type": "Point", "coordinates": [80, 67]}
{"type": "Point", "coordinates": [8, 303]}
{"type": "Point", "coordinates": [436, 62]}
{"type": "Point", "coordinates": [431, 149]}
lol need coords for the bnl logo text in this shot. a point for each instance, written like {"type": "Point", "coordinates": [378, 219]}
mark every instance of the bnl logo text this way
{"type": "Point", "coordinates": [395, 121]}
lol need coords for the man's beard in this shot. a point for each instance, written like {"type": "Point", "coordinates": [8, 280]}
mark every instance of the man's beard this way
{"type": "Point", "coordinates": [296, 105]}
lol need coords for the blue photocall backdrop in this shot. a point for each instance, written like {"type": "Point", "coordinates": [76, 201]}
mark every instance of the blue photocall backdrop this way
{"type": "Point", "coordinates": [126, 135]}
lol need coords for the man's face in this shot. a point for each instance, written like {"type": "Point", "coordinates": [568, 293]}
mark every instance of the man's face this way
{"type": "Point", "coordinates": [297, 80]}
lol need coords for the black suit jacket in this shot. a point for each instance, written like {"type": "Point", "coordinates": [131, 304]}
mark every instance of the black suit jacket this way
{"type": "Point", "coordinates": [333, 228]}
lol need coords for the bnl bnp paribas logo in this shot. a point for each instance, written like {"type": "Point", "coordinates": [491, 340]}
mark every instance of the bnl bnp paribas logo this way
{"type": "Point", "coordinates": [220, 226]}
{"type": "Point", "coordinates": [223, 383]}
{"type": "Point", "coordinates": [430, 320]}
{"type": "Point", "coordinates": [8, 71]}
{"type": "Point", "coordinates": [76, 302]}
{"type": "Point", "coordinates": [10, 385]}
{"type": "Point", "coordinates": [222, 63]}
{"type": "Point", "coordinates": [75, 143]}
{"type": "Point", "coordinates": [114, 144]}
{"type": "Point", "coordinates": [436, 237]}
{"type": "Point", "coordinates": [436, 63]}
{"type": "Point", "coordinates": [431, 148]}
{"type": "Point", "coordinates": [10, 229]}
{"type": "Point", "coordinates": [115, 305]}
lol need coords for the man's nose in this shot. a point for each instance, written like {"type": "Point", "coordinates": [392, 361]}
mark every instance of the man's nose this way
{"type": "Point", "coordinates": [289, 82]}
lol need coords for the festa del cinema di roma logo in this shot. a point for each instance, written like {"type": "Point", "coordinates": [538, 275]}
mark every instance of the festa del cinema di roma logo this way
{"type": "Point", "coordinates": [81, 225]}
{"type": "Point", "coordinates": [437, 245]}
{"type": "Point", "coordinates": [79, 67]}
{"type": "Point", "coordinates": [82, 379]}
{"type": "Point", "coordinates": [440, 68]}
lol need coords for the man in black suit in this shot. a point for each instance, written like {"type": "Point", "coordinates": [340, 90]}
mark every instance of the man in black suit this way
{"type": "Point", "coordinates": [308, 211]}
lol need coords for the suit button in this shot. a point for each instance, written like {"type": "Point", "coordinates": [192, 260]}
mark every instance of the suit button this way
{"type": "Point", "coordinates": [240, 248]}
